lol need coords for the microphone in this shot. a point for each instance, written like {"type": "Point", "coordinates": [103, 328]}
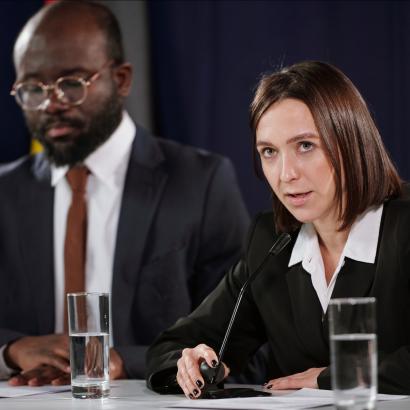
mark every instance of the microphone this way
{"type": "Point", "coordinates": [214, 375]}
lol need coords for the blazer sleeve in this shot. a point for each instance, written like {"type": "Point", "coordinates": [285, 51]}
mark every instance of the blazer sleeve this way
{"type": "Point", "coordinates": [207, 324]}
{"type": "Point", "coordinates": [394, 365]}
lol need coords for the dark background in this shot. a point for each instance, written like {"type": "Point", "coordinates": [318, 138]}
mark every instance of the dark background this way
{"type": "Point", "coordinates": [206, 58]}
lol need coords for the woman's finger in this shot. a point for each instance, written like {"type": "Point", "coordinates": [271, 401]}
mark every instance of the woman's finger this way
{"type": "Point", "coordinates": [181, 382]}
{"type": "Point", "coordinates": [205, 352]}
{"type": "Point", "coordinates": [189, 373]}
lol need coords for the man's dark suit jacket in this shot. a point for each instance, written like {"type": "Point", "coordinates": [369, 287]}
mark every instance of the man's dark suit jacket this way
{"type": "Point", "coordinates": [182, 224]}
{"type": "Point", "coordinates": [282, 308]}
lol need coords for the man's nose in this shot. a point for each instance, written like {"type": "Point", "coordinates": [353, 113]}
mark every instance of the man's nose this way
{"type": "Point", "coordinates": [53, 103]}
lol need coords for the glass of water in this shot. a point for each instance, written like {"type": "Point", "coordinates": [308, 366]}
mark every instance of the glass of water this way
{"type": "Point", "coordinates": [88, 323]}
{"type": "Point", "coordinates": [353, 350]}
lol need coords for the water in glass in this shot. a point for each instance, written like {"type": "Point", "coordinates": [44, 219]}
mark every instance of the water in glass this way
{"type": "Point", "coordinates": [354, 370]}
{"type": "Point", "coordinates": [89, 360]}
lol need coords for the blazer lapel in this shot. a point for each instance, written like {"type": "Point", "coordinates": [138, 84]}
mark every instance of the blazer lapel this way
{"type": "Point", "coordinates": [307, 313]}
{"type": "Point", "coordinates": [35, 204]}
{"type": "Point", "coordinates": [355, 279]}
{"type": "Point", "coordinates": [144, 184]}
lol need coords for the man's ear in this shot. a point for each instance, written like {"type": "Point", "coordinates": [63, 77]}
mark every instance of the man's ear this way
{"type": "Point", "coordinates": [123, 78]}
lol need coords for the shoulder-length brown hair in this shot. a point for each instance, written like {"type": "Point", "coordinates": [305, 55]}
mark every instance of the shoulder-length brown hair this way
{"type": "Point", "coordinates": [349, 135]}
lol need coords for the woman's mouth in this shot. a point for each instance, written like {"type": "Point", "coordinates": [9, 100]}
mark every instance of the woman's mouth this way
{"type": "Point", "coordinates": [298, 199]}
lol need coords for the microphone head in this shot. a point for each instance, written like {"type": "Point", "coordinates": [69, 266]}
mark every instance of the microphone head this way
{"type": "Point", "coordinates": [283, 239]}
{"type": "Point", "coordinates": [212, 375]}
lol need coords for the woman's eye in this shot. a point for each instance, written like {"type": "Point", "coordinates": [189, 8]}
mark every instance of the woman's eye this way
{"type": "Point", "coordinates": [267, 152]}
{"type": "Point", "coordinates": [306, 146]}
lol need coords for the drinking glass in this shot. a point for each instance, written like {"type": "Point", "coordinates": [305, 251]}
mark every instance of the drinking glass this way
{"type": "Point", "coordinates": [88, 323]}
{"type": "Point", "coordinates": [353, 350]}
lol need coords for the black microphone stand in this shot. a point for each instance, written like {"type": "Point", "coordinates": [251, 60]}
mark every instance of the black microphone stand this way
{"type": "Point", "coordinates": [214, 375]}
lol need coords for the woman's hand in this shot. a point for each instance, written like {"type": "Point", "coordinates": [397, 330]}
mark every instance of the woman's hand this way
{"type": "Point", "coordinates": [189, 377]}
{"type": "Point", "coordinates": [307, 378]}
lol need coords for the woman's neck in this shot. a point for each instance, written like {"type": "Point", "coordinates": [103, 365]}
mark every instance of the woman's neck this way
{"type": "Point", "coordinates": [331, 244]}
{"type": "Point", "coordinates": [332, 240]}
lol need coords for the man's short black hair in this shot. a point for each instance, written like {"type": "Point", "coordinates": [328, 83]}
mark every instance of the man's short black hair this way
{"type": "Point", "coordinates": [106, 22]}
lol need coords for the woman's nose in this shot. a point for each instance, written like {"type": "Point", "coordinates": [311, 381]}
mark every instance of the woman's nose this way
{"type": "Point", "coordinates": [289, 168]}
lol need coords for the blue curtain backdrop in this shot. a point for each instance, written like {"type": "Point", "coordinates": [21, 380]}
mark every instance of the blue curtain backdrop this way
{"type": "Point", "coordinates": [14, 138]}
{"type": "Point", "coordinates": [206, 57]}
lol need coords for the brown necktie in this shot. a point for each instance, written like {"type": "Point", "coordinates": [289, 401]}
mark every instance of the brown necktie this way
{"type": "Point", "coordinates": [76, 236]}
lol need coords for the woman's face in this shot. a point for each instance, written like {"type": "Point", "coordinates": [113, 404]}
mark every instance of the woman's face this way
{"type": "Point", "coordinates": [295, 164]}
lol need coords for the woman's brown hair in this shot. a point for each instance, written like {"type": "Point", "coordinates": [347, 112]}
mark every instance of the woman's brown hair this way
{"type": "Point", "coordinates": [349, 135]}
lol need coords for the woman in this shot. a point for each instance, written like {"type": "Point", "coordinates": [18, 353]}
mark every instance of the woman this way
{"type": "Point", "coordinates": [339, 196]}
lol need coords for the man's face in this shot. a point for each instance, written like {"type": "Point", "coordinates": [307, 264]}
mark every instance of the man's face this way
{"type": "Point", "coordinates": [70, 133]}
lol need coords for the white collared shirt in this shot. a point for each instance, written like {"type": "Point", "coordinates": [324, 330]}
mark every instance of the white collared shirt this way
{"type": "Point", "coordinates": [361, 245]}
{"type": "Point", "coordinates": [108, 165]}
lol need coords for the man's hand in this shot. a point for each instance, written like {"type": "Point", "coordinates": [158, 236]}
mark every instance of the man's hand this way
{"type": "Point", "coordinates": [117, 370]}
{"type": "Point", "coordinates": [93, 358]}
{"type": "Point", "coordinates": [34, 351]}
{"type": "Point", "coordinates": [307, 378]}
{"type": "Point", "coordinates": [40, 376]}
{"type": "Point", "coordinates": [48, 374]}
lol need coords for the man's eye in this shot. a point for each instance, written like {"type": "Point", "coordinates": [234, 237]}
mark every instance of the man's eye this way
{"type": "Point", "coordinates": [31, 89]}
{"type": "Point", "coordinates": [69, 84]}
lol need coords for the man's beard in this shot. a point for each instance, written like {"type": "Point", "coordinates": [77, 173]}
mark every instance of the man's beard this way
{"type": "Point", "coordinates": [64, 151]}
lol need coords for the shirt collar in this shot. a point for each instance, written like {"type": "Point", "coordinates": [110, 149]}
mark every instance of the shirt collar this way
{"type": "Point", "coordinates": [361, 244]}
{"type": "Point", "coordinates": [304, 243]}
{"type": "Point", "coordinates": [108, 161]}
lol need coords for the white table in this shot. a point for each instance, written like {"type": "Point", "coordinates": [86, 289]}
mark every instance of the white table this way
{"type": "Point", "coordinates": [126, 394]}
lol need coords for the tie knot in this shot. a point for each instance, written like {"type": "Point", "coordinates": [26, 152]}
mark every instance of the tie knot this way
{"type": "Point", "coordinates": [77, 178]}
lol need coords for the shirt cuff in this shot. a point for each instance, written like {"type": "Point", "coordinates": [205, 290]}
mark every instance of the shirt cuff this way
{"type": "Point", "coordinates": [5, 371]}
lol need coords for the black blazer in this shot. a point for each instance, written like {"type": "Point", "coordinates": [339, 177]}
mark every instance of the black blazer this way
{"type": "Point", "coordinates": [282, 308]}
{"type": "Point", "coordinates": [181, 225]}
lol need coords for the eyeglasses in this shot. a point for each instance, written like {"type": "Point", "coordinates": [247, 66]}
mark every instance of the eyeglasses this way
{"type": "Point", "coordinates": [69, 90]}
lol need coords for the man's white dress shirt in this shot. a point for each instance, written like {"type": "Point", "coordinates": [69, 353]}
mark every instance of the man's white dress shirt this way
{"type": "Point", "coordinates": [108, 166]}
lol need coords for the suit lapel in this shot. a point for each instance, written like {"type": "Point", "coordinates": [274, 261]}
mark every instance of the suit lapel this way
{"type": "Point", "coordinates": [355, 279]}
{"type": "Point", "coordinates": [143, 187]}
{"type": "Point", "coordinates": [307, 313]}
{"type": "Point", "coordinates": [36, 209]}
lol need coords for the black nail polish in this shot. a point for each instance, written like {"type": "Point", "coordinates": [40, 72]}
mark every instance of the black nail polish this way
{"type": "Point", "coordinates": [269, 386]}
{"type": "Point", "coordinates": [199, 383]}
{"type": "Point", "coordinates": [195, 392]}
{"type": "Point", "coordinates": [214, 363]}
{"type": "Point", "coordinates": [190, 396]}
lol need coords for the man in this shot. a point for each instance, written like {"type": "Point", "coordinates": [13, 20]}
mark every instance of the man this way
{"type": "Point", "coordinates": [150, 221]}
